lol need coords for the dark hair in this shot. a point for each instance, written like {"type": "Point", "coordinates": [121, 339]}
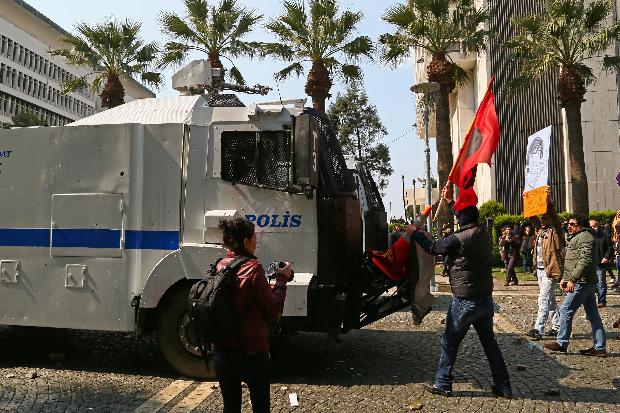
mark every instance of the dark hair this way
{"type": "Point", "coordinates": [468, 215]}
{"type": "Point", "coordinates": [234, 232]}
{"type": "Point", "coordinates": [581, 220]}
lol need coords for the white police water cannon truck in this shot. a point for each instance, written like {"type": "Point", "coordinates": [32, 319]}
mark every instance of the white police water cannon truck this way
{"type": "Point", "coordinates": [106, 223]}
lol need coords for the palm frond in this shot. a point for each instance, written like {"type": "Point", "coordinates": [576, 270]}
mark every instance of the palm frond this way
{"type": "Point", "coordinates": [516, 84]}
{"type": "Point", "coordinates": [585, 72]}
{"type": "Point", "coordinates": [174, 54]}
{"type": "Point", "coordinates": [460, 75]}
{"type": "Point", "coordinates": [395, 48]}
{"type": "Point", "coordinates": [279, 50]}
{"type": "Point", "coordinates": [73, 85]}
{"type": "Point", "coordinates": [154, 79]}
{"type": "Point", "coordinates": [360, 46]}
{"type": "Point", "coordinates": [351, 73]}
{"type": "Point", "coordinates": [176, 27]}
{"type": "Point", "coordinates": [400, 16]}
{"type": "Point", "coordinates": [236, 75]}
{"type": "Point", "coordinates": [296, 68]}
{"type": "Point", "coordinates": [611, 63]}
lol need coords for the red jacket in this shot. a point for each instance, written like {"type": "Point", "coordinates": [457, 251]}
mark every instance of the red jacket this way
{"type": "Point", "coordinates": [256, 301]}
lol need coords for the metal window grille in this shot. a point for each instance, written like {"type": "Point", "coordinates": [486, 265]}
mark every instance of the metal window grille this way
{"type": "Point", "coordinates": [274, 154]}
{"type": "Point", "coordinates": [372, 191]}
{"type": "Point", "coordinates": [239, 157]}
{"type": "Point", "coordinates": [262, 159]}
{"type": "Point", "coordinates": [333, 166]}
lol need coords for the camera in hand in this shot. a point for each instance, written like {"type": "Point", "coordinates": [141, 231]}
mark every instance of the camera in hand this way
{"type": "Point", "coordinates": [271, 270]}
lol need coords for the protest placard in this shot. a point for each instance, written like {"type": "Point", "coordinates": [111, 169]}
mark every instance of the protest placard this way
{"type": "Point", "coordinates": [536, 173]}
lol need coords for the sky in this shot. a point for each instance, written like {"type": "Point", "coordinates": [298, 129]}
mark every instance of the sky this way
{"type": "Point", "coordinates": [387, 88]}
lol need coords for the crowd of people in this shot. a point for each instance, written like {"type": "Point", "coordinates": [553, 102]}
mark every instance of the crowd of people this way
{"type": "Point", "coordinates": [518, 243]}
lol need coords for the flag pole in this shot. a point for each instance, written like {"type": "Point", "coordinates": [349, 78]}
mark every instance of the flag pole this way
{"type": "Point", "coordinates": [442, 202]}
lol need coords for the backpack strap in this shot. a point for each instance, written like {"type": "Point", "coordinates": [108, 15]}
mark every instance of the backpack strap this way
{"type": "Point", "coordinates": [236, 263]}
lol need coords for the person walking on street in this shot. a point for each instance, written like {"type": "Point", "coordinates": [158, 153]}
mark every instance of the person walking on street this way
{"type": "Point", "coordinates": [246, 357]}
{"type": "Point", "coordinates": [579, 282]}
{"type": "Point", "coordinates": [615, 227]}
{"type": "Point", "coordinates": [510, 245]}
{"type": "Point", "coordinates": [468, 252]}
{"type": "Point", "coordinates": [604, 251]}
{"type": "Point", "coordinates": [527, 240]}
{"type": "Point", "coordinates": [549, 259]}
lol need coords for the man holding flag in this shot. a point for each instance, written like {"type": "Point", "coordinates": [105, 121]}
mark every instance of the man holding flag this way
{"type": "Point", "coordinates": [468, 253]}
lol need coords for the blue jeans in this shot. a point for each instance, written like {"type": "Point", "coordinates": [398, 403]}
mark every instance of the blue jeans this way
{"type": "Point", "coordinates": [601, 273]}
{"type": "Point", "coordinates": [463, 313]}
{"type": "Point", "coordinates": [584, 294]}
{"type": "Point", "coordinates": [547, 305]}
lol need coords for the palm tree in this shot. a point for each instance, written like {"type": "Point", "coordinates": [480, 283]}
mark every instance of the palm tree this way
{"type": "Point", "coordinates": [322, 38]}
{"type": "Point", "coordinates": [564, 37]}
{"type": "Point", "coordinates": [436, 26]}
{"type": "Point", "coordinates": [217, 31]}
{"type": "Point", "coordinates": [112, 50]}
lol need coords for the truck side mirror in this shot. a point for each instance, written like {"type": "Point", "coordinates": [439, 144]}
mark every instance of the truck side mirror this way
{"type": "Point", "coordinates": [306, 150]}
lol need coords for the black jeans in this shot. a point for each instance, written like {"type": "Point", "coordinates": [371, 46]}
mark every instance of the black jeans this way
{"type": "Point", "coordinates": [233, 366]}
{"type": "Point", "coordinates": [511, 275]}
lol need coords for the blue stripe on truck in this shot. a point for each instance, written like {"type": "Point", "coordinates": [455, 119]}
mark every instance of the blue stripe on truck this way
{"type": "Point", "coordinates": [89, 238]}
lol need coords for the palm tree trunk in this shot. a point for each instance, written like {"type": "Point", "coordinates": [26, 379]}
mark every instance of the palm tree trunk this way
{"type": "Point", "coordinates": [318, 85]}
{"type": "Point", "coordinates": [214, 59]}
{"type": "Point", "coordinates": [444, 140]}
{"type": "Point", "coordinates": [579, 179]}
{"type": "Point", "coordinates": [441, 71]}
{"type": "Point", "coordinates": [113, 93]}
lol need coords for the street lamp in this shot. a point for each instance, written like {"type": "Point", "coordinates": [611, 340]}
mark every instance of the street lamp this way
{"type": "Point", "coordinates": [427, 88]}
{"type": "Point", "coordinates": [415, 206]}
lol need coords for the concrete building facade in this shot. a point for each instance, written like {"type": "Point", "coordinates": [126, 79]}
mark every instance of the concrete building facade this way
{"type": "Point", "coordinates": [31, 78]}
{"type": "Point", "coordinates": [531, 110]}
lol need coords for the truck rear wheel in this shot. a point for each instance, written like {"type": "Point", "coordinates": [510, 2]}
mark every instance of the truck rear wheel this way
{"type": "Point", "coordinates": [176, 342]}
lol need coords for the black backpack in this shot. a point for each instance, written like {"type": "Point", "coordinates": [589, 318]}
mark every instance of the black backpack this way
{"type": "Point", "coordinates": [212, 308]}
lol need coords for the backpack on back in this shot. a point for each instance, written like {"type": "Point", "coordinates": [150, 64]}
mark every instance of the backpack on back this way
{"type": "Point", "coordinates": [212, 309]}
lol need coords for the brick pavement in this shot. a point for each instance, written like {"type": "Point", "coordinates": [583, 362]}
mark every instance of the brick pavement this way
{"type": "Point", "coordinates": [377, 369]}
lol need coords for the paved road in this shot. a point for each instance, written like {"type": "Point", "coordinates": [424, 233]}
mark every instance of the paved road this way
{"type": "Point", "coordinates": [378, 369]}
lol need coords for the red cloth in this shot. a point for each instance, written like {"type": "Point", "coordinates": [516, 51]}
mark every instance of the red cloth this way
{"type": "Point", "coordinates": [395, 261]}
{"type": "Point", "coordinates": [256, 301]}
{"type": "Point", "coordinates": [480, 145]}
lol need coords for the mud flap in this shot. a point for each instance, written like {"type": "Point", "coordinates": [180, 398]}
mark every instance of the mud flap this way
{"type": "Point", "coordinates": [421, 274]}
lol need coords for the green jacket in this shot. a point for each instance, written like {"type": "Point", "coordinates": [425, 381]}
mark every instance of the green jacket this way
{"type": "Point", "coordinates": [580, 261]}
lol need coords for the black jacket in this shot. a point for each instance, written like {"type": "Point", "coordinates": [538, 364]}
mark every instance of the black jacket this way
{"type": "Point", "coordinates": [469, 257]}
{"type": "Point", "coordinates": [603, 245]}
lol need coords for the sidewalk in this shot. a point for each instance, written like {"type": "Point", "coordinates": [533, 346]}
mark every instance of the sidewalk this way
{"type": "Point", "coordinates": [525, 288]}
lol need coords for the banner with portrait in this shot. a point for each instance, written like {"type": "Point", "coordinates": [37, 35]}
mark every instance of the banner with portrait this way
{"type": "Point", "coordinates": [536, 173]}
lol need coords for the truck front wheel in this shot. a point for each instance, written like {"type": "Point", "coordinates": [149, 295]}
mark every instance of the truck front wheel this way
{"type": "Point", "coordinates": [176, 342]}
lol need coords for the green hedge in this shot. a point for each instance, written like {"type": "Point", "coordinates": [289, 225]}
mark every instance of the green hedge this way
{"type": "Point", "coordinates": [491, 209]}
{"type": "Point", "coordinates": [603, 217]}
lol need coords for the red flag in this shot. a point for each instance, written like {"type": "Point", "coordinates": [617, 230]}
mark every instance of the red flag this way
{"type": "Point", "coordinates": [395, 261]}
{"type": "Point", "coordinates": [479, 146]}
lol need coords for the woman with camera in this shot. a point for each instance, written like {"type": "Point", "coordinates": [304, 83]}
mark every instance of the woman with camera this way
{"type": "Point", "coordinates": [245, 357]}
